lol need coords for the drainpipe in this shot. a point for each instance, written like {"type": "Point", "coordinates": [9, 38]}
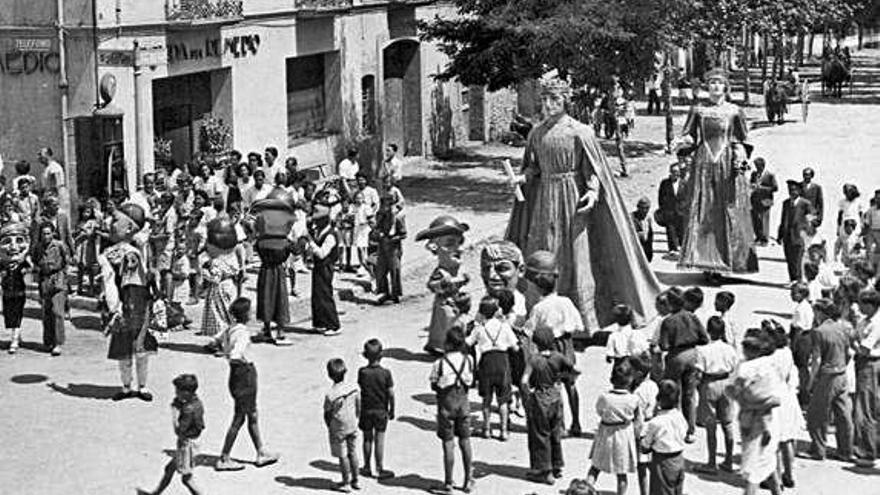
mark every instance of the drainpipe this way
{"type": "Point", "coordinates": [98, 102]}
{"type": "Point", "coordinates": [63, 85]}
{"type": "Point", "coordinates": [139, 149]}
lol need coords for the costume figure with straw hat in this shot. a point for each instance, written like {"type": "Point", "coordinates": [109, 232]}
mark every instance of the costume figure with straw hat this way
{"type": "Point", "coordinates": [445, 236]}
{"type": "Point", "coordinates": [128, 299]}
{"type": "Point", "coordinates": [718, 236]}
{"type": "Point", "coordinates": [15, 243]}
{"type": "Point", "coordinates": [573, 210]}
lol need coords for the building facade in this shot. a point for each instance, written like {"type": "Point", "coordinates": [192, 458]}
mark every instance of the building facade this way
{"type": "Point", "coordinates": [102, 81]}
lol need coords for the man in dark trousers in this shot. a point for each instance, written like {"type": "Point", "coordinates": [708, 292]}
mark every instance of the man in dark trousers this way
{"type": "Point", "coordinates": [794, 221]}
{"type": "Point", "coordinates": [389, 234]}
{"type": "Point", "coordinates": [764, 186]}
{"type": "Point", "coordinates": [680, 334]}
{"type": "Point", "coordinates": [831, 342]}
{"type": "Point", "coordinates": [672, 203]}
{"type": "Point", "coordinates": [812, 192]}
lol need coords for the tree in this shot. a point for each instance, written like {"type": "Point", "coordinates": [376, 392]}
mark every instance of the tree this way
{"type": "Point", "coordinates": [501, 43]}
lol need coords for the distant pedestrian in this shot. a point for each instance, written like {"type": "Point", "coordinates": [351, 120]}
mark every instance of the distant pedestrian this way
{"type": "Point", "coordinates": [243, 388]}
{"type": "Point", "coordinates": [871, 231]}
{"type": "Point", "coordinates": [812, 192]}
{"type": "Point", "coordinates": [764, 186]}
{"type": "Point", "coordinates": [189, 421]}
{"type": "Point", "coordinates": [663, 437]}
{"type": "Point", "coordinates": [377, 408]}
{"type": "Point", "coordinates": [322, 244]}
{"type": "Point", "coordinates": [451, 377]}
{"type": "Point", "coordinates": [644, 227]}
{"type": "Point", "coordinates": [52, 258]}
{"type": "Point", "coordinates": [391, 167]}
{"type": "Point", "coordinates": [342, 406]}
{"type": "Point", "coordinates": [791, 227]}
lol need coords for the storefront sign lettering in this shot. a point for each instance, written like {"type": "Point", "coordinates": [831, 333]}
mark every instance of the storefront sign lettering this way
{"type": "Point", "coordinates": [26, 63]}
{"type": "Point", "coordinates": [116, 58]}
{"type": "Point", "coordinates": [33, 44]}
{"type": "Point", "coordinates": [237, 46]}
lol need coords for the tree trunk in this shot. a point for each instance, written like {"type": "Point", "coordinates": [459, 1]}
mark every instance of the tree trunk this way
{"type": "Point", "coordinates": [861, 32]}
{"type": "Point", "coordinates": [799, 56]}
{"type": "Point", "coordinates": [764, 44]}
{"type": "Point", "coordinates": [746, 66]}
{"type": "Point", "coordinates": [666, 92]}
{"type": "Point", "coordinates": [780, 53]}
{"type": "Point", "coordinates": [810, 45]}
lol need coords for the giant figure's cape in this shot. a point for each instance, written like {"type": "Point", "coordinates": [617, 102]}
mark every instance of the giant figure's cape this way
{"type": "Point", "coordinates": [621, 271]}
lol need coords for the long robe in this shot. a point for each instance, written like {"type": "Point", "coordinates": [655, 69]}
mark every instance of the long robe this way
{"type": "Point", "coordinates": [598, 254]}
{"type": "Point", "coordinates": [719, 236]}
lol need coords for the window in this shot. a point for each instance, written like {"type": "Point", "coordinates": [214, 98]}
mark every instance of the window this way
{"type": "Point", "coordinates": [368, 99]}
{"type": "Point", "coordinates": [306, 109]}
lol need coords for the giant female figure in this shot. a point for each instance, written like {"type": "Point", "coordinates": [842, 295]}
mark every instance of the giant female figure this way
{"type": "Point", "coordinates": [573, 209]}
{"type": "Point", "coordinates": [718, 236]}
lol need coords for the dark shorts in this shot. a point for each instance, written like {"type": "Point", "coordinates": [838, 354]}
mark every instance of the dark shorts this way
{"type": "Point", "coordinates": [373, 420]}
{"type": "Point", "coordinates": [453, 415]}
{"type": "Point", "coordinates": [495, 376]}
{"type": "Point", "coordinates": [13, 310]}
{"type": "Point", "coordinates": [243, 386]}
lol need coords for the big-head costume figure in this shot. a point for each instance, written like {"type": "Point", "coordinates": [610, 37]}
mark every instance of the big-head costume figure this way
{"type": "Point", "coordinates": [128, 298]}
{"type": "Point", "coordinates": [15, 243]}
{"type": "Point", "coordinates": [501, 266]}
{"type": "Point", "coordinates": [574, 210]}
{"type": "Point", "coordinates": [445, 236]}
{"type": "Point", "coordinates": [219, 273]}
{"type": "Point", "coordinates": [274, 218]}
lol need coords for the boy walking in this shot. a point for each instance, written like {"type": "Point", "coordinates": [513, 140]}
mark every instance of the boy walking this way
{"type": "Point", "coordinates": [243, 387]}
{"type": "Point", "coordinates": [716, 364]}
{"type": "Point", "coordinates": [189, 421]}
{"type": "Point", "coordinates": [342, 406]}
{"type": "Point", "coordinates": [377, 407]}
{"type": "Point", "coordinates": [451, 377]}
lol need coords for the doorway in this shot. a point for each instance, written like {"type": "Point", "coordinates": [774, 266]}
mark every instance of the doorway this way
{"type": "Point", "coordinates": [402, 106]}
{"type": "Point", "coordinates": [179, 105]}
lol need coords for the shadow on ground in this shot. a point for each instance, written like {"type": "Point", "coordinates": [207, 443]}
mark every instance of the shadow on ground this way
{"type": "Point", "coordinates": [86, 390]}
{"type": "Point", "coordinates": [458, 191]}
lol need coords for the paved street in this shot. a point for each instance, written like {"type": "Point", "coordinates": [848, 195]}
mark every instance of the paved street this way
{"type": "Point", "coordinates": [62, 434]}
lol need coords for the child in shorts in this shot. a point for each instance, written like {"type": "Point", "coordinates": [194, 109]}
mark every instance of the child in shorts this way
{"type": "Point", "coordinates": [717, 362]}
{"type": "Point", "coordinates": [377, 407]}
{"type": "Point", "coordinates": [451, 377]}
{"type": "Point", "coordinates": [189, 421]}
{"type": "Point", "coordinates": [243, 387]}
{"type": "Point", "coordinates": [492, 339]}
{"type": "Point", "coordinates": [342, 407]}
{"type": "Point", "coordinates": [646, 390]}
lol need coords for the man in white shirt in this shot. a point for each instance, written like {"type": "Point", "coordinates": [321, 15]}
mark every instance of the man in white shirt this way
{"type": "Point", "coordinates": [54, 178]}
{"type": "Point", "coordinates": [349, 168]}
{"type": "Point", "coordinates": [259, 190]}
{"type": "Point", "coordinates": [392, 166]}
{"type": "Point", "coordinates": [271, 165]}
{"type": "Point", "coordinates": [147, 196]}
{"type": "Point", "coordinates": [866, 411]}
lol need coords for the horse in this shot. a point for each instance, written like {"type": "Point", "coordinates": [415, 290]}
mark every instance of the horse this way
{"type": "Point", "coordinates": [776, 103]}
{"type": "Point", "coordinates": [835, 72]}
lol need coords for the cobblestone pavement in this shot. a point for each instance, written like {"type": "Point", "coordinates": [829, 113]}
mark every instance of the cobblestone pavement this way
{"type": "Point", "coordinates": [62, 434]}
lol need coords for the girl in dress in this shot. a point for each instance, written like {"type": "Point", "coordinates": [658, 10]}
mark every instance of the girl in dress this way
{"type": "Point", "coordinates": [791, 421]}
{"type": "Point", "coordinates": [219, 274]}
{"type": "Point", "coordinates": [756, 386]}
{"type": "Point", "coordinates": [646, 390]}
{"type": "Point", "coordinates": [362, 215]}
{"type": "Point", "coordinates": [87, 242]}
{"type": "Point", "coordinates": [614, 450]}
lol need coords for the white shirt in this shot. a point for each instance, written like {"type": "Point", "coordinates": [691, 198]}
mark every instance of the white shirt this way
{"type": "Point", "coordinates": [239, 340]}
{"type": "Point", "coordinates": [870, 336]}
{"type": "Point", "coordinates": [717, 357]}
{"type": "Point", "coordinates": [802, 316]}
{"type": "Point", "coordinates": [371, 198]}
{"type": "Point", "coordinates": [53, 176]}
{"type": "Point", "coordinates": [443, 372]}
{"type": "Point", "coordinates": [625, 341]}
{"type": "Point", "coordinates": [852, 210]}
{"type": "Point", "coordinates": [665, 432]}
{"type": "Point", "coordinates": [348, 169]}
{"type": "Point", "coordinates": [492, 335]}
{"type": "Point", "coordinates": [557, 313]}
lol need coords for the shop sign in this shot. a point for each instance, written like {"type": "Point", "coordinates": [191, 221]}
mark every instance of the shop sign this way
{"type": "Point", "coordinates": [116, 58]}
{"type": "Point", "coordinates": [150, 55]}
{"type": "Point", "coordinates": [41, 45]}
{"type": "Point", "coordinates": [237, 46]}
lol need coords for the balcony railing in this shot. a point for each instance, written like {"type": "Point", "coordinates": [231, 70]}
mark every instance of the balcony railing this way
{"type": "Point", "coordinates": [322, 4]}
{"type": "Point", "coordinates": [202, 10]}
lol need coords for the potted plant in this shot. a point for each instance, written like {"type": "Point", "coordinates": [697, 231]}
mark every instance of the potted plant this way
{"type": "Point", "coordinates": [215, 137]}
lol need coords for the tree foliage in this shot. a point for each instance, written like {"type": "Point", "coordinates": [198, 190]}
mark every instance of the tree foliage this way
{"type": "Point", "coordinates": [500, 43]}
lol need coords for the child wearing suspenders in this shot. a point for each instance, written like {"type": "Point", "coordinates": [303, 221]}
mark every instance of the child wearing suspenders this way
{"type": "Point", "coordinates": [451, 377]}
